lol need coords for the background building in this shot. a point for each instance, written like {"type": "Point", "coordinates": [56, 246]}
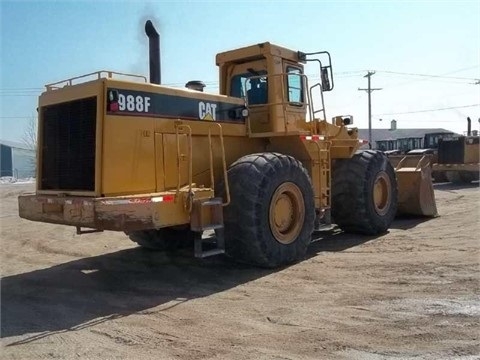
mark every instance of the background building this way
{"type": "Point", "coordinates": [394, 134]}
{"type": "Point", "coordinates": [16, 160]}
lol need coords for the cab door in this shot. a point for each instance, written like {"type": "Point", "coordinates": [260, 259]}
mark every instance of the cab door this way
{"type": "Point", "coordinates": [251, 82]}
{"type": "Point", "coordinates": [295, 107]}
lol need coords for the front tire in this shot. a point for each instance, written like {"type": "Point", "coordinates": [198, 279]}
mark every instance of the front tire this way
{"type": "Point", "coordinates": [364, 193]}
{"type": "Point", "coordinates": [269, 220]}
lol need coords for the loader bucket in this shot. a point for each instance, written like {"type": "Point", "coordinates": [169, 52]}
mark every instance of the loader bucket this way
{"type": "Point", "coordinates": [415, 189]}
{"type": "Point", "coordinates": [395, 159]}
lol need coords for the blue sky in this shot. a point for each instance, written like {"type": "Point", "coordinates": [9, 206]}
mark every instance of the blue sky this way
{"type": "Point", "coordinates": [47, 41]}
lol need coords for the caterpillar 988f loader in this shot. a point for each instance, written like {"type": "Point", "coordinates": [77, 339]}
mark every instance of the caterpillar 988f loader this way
{"type": "Point", "coordinates": [165, 164]}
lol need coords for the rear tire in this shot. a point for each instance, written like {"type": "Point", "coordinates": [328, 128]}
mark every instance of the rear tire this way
{"type": "Point", "coordinates": [461, 177]}
{"type": "Point", "coordinates": [164, 239]}
{"type": "Point", "coordinates": [269, 220]}
{"type": "Point", "coordinates": [364, 193]}
{"type": "Point", "coordinates": [439, 176]}
{"type": "Point", "coordinates": [453, 177]}
{"type": "Point", "coordinates": [469, 176]}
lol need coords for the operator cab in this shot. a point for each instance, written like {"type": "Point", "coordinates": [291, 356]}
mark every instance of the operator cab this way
{"type": "Point", "coordinates": [271, 79]}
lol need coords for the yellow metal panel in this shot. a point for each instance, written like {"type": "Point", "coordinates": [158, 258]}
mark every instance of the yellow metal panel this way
{"type": "Point", "coordinates": [128, 155]}
{"type": "Point", "coordinates": [254, 52]}
{"type": "Point", "coordinates": [170, 214]}
{"type": "Point", "coordinates": [200, 127]}
{"type": "Point", "coordinates": [471, 151]}
{"type": "Point", "coordinates": [69, 93]}
{"type": "Point", "coordinates": [175, 165]}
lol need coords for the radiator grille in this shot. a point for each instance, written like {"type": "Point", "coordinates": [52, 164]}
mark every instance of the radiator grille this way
{"type": "Point", "coordinates": [68, 151]}
{"type": "Point", "coordinates": [451, 151]}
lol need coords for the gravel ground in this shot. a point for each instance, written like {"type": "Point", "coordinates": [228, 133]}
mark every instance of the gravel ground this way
{"type": "Point", "coordinates": [410, 294]}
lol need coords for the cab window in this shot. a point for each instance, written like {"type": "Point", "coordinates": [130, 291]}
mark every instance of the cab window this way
{"type": "Point", "coordinates": [294, 85]}
{"type": "Point", "coordinates": [254, 86]}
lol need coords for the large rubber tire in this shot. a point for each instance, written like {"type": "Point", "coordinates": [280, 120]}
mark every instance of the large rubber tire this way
{"type": "Point", "coordinates": [364, 193]}
{"type": "Point", "coordinates": [461, 177]}
{"type": "Point", "coordinates": [269, 221]}
{"type": "Point", "coordinates": [165, 239]}
{"type": "Point", "coordinates": [439, 176]}
{"type": "Point", "coordinates": [469, 176]}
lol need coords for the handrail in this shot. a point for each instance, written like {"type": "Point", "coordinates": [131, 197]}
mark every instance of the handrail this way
{"type": "Point", "coordinates": [323, 102]}
{"type": "Point", "coordinates": [109, 75]}
{"type": "Point", "coordinates": [224, 163]}
{"type": "Point", "coordinates": [210, 155]}
{"type": "Point", "coordinates": [313, 127]}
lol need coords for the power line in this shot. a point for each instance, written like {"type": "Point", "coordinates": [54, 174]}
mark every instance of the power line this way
{"type": "Point", "coordinates": [436, 80]}
{"type": "Point", "coordinates": [17, 117]}
{"type": "Point", "coordinates": [459, 82]}
{"type": "Point", "coordinates": [427, 75]}
{"type": "Point", "coordinates": [463, 69]}
{"type": "Point", "coordinates": [24, 95]}
{"type": "Point", "coordinates": [21, 89]}
{"type": "Point", "coordinates": [420, 111]}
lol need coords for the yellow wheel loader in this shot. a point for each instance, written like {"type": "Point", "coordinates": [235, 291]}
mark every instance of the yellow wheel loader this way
{"type": "Point", "coordinates": [416, 147]}
{"type": "Point", "coordinates": [458, 158]}
{"type": "Point", "coordinates": [165, 164]}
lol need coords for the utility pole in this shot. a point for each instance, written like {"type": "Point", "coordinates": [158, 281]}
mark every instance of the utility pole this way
{"type": "Point", "coordinates": [369, 91]}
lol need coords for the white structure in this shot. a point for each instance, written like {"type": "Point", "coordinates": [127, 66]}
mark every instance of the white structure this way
{"type": "Point", "coordinates": [16, 160]}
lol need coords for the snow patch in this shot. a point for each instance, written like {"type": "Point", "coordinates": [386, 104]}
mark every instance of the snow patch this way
{"type": "Point", "coordinates": [12, 180]}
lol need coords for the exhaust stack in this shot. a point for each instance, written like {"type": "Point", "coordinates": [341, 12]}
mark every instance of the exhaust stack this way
{"type": "Point", "coordinates": [154, 52]}
{"type": "Point", "coordinates": [469, 126]}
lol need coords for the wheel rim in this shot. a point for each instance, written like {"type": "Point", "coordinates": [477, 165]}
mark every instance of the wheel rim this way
{"type": "Point", "coordinates": [287, 213]}
{"type": "Point", "coordinates": [382, 193]}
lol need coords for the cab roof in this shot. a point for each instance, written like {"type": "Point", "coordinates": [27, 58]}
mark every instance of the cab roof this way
{"type": "Point", "coordinates": [256, 52]}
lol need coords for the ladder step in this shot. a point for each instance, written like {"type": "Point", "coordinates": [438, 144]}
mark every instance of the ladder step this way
{"type": "Point", "coordinates": [212, 202]}
{"type": "Point", "coordinates": [212, 248]}
{"type": "Point", "coordinates": [212, 227]}
{"type": "Point", "coordinates": [212, 252]}
{"type": "Point", "coordinates": [207, 214]}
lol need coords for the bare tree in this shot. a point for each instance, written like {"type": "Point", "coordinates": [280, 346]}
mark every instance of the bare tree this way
{"type": "Point", "coordinates": [30, 134]}
{"type": "Point", "coordinates": [29, 139]}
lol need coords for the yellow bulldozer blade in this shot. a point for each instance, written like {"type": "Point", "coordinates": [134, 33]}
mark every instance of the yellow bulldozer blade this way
{"type": "Point", "coordinates": [415, 188]}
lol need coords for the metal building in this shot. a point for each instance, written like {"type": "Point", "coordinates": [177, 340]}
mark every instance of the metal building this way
{"type": "Point", "coordinates": [16, 160]}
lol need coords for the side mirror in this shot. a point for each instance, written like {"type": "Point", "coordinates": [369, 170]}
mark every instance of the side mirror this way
{"type": "Point", "coordinates": [343, 120]}
{"type": "Point", "coordinates": [326, 84]}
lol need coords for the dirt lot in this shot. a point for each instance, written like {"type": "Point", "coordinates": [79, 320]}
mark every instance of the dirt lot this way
{"type": "Point", "coordinates": [411, 294]}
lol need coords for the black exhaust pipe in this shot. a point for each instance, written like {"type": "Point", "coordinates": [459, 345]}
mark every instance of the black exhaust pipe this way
{"type": "Point", "coordinates": [469, 126]}
{"type": "Point", "coordinates": [154, 51]}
